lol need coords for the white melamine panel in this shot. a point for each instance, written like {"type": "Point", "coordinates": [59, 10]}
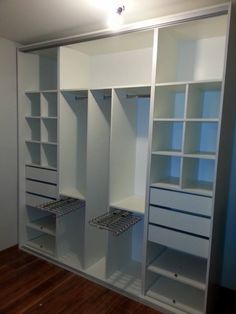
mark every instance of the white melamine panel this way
{"type": "Point", "coordinates": [187, 56]}
{"type": "Point", "coordinates": [74, 69]}
{"type": "Point", "coordinates": [44, 242]}
{"type": "Point", "coordinates": [48, 72]}
{"type": "Point", "coordinates": [43, 189]}
{"type": "Point", "coordinates": [121, 69]}
{"type": "Point", "coordinates": [49, 104]}
{"type": "Point", "coordinates": [97, 192]}
{"type": "Point", "coordinates": [200, 205]}
{"type": "Point", "coordinates": [179, 241]}
{"type": "Point", "coordinates": [181, 221]}
{"type": "Point", "coordinates": [165, 170]}
{"type": "Point", "coordinates": [204, 100]}
{"type": "Point", "coordinates": [39, 174]}
{"type": "Point", "coordinates": [129, 144]}
{"type": "Point", "coordinates": [183, 297]}
{"type": "Point", "coordinates": [35, 200]}
{"type": "Point", "coordinates": [73, 143]}
{"type": "Point", "coordinates": [181, 267]}
{"type": "Point", "coordinates": [169, 102]}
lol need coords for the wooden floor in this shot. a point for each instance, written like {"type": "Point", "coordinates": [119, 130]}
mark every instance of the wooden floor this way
{"type": "Point", "coordinates": [31, 285]}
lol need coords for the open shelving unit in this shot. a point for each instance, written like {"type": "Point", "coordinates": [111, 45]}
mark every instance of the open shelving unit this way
{"type": "Point", "coordinates": [130, 123]}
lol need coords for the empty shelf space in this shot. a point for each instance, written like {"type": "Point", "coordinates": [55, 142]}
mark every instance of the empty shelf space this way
{"type": "Point", "coordinates": [98, 270]}
{"type": "Point", "coordinates": [181, 267]}
{"type": "Point", "coordinates": [49, 104]}
{"type": "Point", "coordinates": [127, 278]}
{"type": "Point", "coordinates": [133, 203]}
{"type": "Point", "coordinates": [45, 243]}
{"type": "Point", "coordinates": [46, 224]}
{"type": "Point", "coordinates": [32, 104]}
{"type": "Point", "coordinates": [181, 296]}
{"type": "Point", "coordinates": [204, 100]}
{"type": "Point", "coordinates": [170, 101]}
{"type": "Point", "coordinates": [72, 193]}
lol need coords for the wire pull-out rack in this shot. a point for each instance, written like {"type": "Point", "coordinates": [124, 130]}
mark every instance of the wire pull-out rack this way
{"type": "Point", "coordinates": [62, 206]}
{"type": "Point", "coordinates": [116, 221]}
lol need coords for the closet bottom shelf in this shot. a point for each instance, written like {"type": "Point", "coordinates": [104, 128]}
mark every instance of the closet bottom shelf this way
{"type": "Point", "coordinates": [44, 243]}
{"type": "Point", "coordinates": [178, 295]}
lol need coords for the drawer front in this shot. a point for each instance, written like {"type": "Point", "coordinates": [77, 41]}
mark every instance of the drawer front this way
{"type": "Point", "coordinates": [200, 205]}
{"type": "Point", "coordinates": [179, 241]}
{"type": "Point", "coordinates": [181, 221]}
{"type": "Point", "coordinates": [44, 175]}
{"type": "Point", "coordinates": [35, 200]}
{"type": "Point", "coordinates": [41, 188]}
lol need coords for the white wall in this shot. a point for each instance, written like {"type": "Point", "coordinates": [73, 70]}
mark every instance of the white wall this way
{"type": "Point", "coordinates": [8, 145]}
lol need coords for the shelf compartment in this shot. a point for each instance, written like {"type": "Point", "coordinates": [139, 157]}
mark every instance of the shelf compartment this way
{"type": "Point", "coordinates": [181, 267]}
{"type": "Point", "coordinates": [49, 155]}
{"type": "Point", "coordinates": [179, 295]}
{"type": "Point", "coordinates": [45, 243]}
{"type": "Point", "coordinates": [167, 136]}
{"type": "Point", "coordinates": [49, 104]}
{"type": "Point", "coordinates": [186, 53]}
{"type": "Point", "coordinates": [116, 221]}
{"type": "Point", "coordinates": [32, 153]}
{"type": "Point", "coordinates": [45, 224]}
{"type": "Point", "coordinates": [32, 104]}
{"type": "Point", "coordinates": [198, 175]}
{"type": "Point", "coordinates": [204, 100]}
{"type": "Point", "coordinates": [33, 129]}
{"type": "Point", "coordinates": [170, 102]}
{"type": "Point", "coordinates": [165, 170]}
{"type": "Point", "coordinates": [49, 130]}
{"type": "Point", "coordinates": [201, 138]}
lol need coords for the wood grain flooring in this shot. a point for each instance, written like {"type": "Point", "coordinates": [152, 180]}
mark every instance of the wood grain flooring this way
{"type": "Point", "coordinates": [31, 285]}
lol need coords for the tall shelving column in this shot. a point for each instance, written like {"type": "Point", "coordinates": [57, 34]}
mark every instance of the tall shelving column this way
{"type": "Point", "coordinates": [183, 163]}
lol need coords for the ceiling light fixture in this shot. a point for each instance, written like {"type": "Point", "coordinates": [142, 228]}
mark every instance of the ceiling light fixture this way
{"type": "Point", "coordinates": [115, 17]}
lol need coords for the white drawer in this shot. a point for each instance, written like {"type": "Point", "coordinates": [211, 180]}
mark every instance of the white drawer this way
{"type": "Point", "coordinates": [41, 188]}
{"type": "Point", "coordinates": [179, 241]}
{"type": "Point", "coordinates": [200, 205]}
{"type": "Point", "coordinates": [39, 174]}
{"type": "Point", "coordinates": [35, 200]}
{"type": "Point", "coordinates": [181, 221]}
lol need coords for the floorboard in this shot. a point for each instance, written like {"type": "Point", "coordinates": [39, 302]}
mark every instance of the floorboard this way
{"type": "Point", "coordinates": [29, 285]}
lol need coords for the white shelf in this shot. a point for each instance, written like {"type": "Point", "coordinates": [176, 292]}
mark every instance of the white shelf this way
{"type": "Point", "coordinates": [127, 278]}
{"type": "Point", "coordinates": [167, 182]}
{"type": "Point", "coordinates": [40, 166]}
{"type": "Point", "coordinates": [168, 152]}
{"type": "Point", "coordinates": [32, 117]}
{"type": "Point", "coordinates": [133, 203]}
{"type": "Point", "coordinates": [98, 270]}
{"type": "Point", "coordinates": [204, 155]}
{"type": "Point", "coordinates": [45, 243]}
{"type": "Point", "coordinates": [181, 267]}
{"type": "Point", "coordinates": [72, 193]}
{"type": "Point", "coordinates": [46, 224]}
{"type": "Point", "coordinates": [181, 296]}
{"type": "Point", "coordinates": [72, 260]}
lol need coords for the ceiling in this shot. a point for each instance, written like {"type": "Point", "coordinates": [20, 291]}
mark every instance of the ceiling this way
{"type": "Point", "coordinates": [30, 21]}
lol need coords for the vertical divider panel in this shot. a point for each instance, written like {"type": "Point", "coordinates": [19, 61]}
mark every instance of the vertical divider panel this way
{"type": "Point", "coordinates": [98, 146]}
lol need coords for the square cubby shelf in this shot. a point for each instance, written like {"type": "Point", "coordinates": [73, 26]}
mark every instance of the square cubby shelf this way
{"type": "Point", "coordinates": [49, 130]}
{"type": "Point", "coordinates": [201, 138]}
{"type": "Point", "coordinates": [167, 137]}
{"type": "Point", "coordinates": [32, 104]}
{"type": "Point", "coordinates": [49, 104]}
{"type": "Point", "coordinates": [165, 170]}
{"type": "Point", "coordinates": [32, 129]}
{"type": "Point", "coordinates": [198, 175]}
{"type": "Point", "coordinates": [204, 100]}
{"type": "Point", "coordinates": [170, 102]}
